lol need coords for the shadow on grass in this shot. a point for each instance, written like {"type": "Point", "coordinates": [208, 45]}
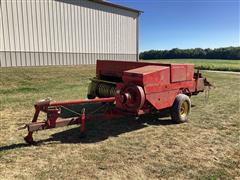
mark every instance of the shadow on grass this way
{"type": "Point", "coordinates": [13, 146]}
{"type": "Point", "coordinates": [99, 130]}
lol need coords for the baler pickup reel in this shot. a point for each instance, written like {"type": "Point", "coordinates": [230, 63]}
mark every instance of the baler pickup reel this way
{"type": "Point", "coordinates": [122, 89]}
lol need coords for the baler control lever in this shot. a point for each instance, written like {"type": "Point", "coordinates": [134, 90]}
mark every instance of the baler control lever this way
{"type": "Point", "coordinates": [207, 83]}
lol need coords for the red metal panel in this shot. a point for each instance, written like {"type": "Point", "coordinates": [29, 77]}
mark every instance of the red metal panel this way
{"type": "Point", "coordinates": [181, 72]}
{"type": "Point", "coordinates": [147, 75]}
{"type": "Point", "coordinates": [190, 71]}
{"type": "Point", "coordinates": [178, 72]}
{"type": "Point", "coordinates": [162, 100]}
{"type": "Point", "coordinates": [116, 68]}
{"type": "Point", "coordinates": [145, 70]}
{"type": "Point", "coordinates": [163, 96]}
{"type": "Point", "coordinates": [161, 77]}
{"type": "Point", "coordinates": [154, 88]}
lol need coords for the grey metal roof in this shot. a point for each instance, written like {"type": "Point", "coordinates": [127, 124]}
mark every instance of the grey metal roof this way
{"type": "Point", "coordinates": [116, 6]}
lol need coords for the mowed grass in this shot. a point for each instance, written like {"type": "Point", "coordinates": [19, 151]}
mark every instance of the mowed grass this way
{"type": "Point", "coordinates": [207, 64]}
{"type": "Point", "coordinates": [207, 147]}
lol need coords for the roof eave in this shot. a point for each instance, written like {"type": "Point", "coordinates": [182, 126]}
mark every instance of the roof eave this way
{"type": "Point", "coordinates": [117, 6]}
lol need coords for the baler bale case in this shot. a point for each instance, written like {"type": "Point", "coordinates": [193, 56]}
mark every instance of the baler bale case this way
{"type": "Point", "coordinates": [123, 88]}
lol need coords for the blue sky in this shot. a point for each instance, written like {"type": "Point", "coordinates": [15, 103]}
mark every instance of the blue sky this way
{"type": "Point", "coordinates": [167, 24]}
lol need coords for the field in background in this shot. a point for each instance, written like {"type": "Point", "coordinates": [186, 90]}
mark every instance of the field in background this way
{"type": "Point", "coordinates": [207, 64]}
{"type": "Point", "coordinates": [207, 147]}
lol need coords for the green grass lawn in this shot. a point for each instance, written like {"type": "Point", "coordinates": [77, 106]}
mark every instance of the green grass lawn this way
{"type": "Point", "coordinates": [207, 64]}
{"type": "Point", "coordinates": [205, 148]}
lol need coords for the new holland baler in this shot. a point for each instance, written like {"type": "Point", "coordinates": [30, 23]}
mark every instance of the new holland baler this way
{"type": "Point", "coordinates": [123, 88]}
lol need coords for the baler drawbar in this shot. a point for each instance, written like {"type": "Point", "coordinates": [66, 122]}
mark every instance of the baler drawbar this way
{"type": "Point", "coordinates": [123, 88]}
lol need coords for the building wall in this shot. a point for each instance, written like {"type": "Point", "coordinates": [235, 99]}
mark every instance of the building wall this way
{"type": "Point", "coordinates": [54, 32]}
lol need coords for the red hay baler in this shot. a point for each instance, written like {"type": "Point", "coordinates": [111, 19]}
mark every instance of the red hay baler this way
{"type": "Point", "coordinates": [121, 89]}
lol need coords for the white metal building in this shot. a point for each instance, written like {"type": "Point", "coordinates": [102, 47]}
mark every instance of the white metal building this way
{"type": "Point", "coordinates": [66, 32]}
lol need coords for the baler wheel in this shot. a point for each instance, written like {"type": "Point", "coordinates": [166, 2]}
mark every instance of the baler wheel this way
{"type": "Point", "coordinates": [181, 108]}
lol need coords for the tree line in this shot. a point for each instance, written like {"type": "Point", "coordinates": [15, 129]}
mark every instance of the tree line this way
{"type": "Point", "coordinates": [196, 53]}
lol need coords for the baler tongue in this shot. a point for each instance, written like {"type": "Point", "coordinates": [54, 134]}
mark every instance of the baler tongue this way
{"type": "Point", "coordinates": [66, 113]}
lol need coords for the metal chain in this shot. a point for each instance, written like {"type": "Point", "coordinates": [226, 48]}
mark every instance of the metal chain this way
{"type": "Point", "coordinates": [207, 93]}
{"type": "Point", "coordinates": [70, 110]}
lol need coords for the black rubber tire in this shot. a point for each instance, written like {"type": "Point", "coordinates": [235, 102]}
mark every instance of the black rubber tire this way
{"type": "Point", "coordinates": [176, 108]}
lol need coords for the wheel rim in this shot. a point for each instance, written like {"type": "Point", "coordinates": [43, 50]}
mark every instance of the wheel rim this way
{"type": "Point", "coordinates": [184, 109]}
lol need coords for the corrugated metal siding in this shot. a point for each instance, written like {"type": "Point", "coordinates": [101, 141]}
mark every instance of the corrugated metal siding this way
{"type": "Point", "coordinates": [54, 32]}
